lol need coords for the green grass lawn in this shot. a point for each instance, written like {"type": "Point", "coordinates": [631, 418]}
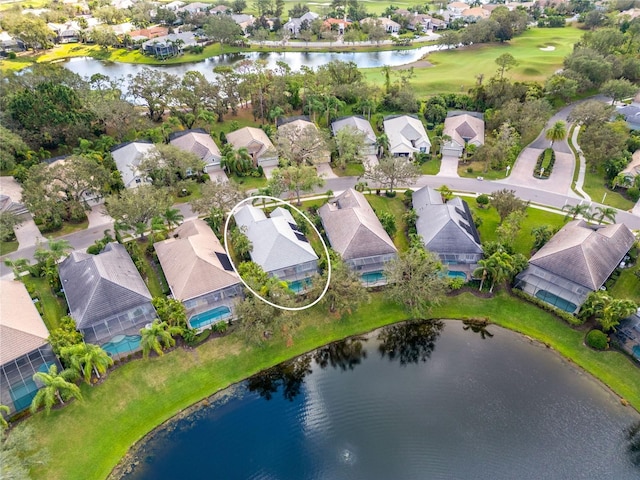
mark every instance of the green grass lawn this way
{"type": "Point", "coordinates": [8, 247]}
{"type": "Point", "coordinates": [455, 71]}
{"type": "Point", "coordinates": [67, 228]}
{"type": "Point", "coordinates": [476, 169]}
{"type": "Point", "coordinates": [595, 186]}
{"type": "Point", "coordinates": [141, 394]}
{"type": "Point", "coordinates": [431, 167]}
{"type": "Point", "coordinates": [397, 209]}
{"type": "Point", "coordinates": [249, 183]}
{"type": "Point", "coordinates": [53, 307]}
{"type": "Point", "coordinates": [524, 241]}
{"type": "Point", "coordinates": [627, 285]}
{"type": "Point", "coordinates": [351, 170]}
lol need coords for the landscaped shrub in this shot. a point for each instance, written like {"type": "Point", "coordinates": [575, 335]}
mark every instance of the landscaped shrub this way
{"type": "Point", "coordinates": [482, 200]}
{"type": "Point", "coordinates": [597, 339]}
{"type": "Point", "coordinates": [546, 159]}
{"type": "Point", "coordinates": [220, 327]}
{"type": "Point", "coordinates": [567, 317]}
{"type": "Point", "coordinates": [634, 194]}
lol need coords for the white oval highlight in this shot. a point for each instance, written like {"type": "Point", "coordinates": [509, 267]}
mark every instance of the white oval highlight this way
{"type": "Point", "coordinates": [324, 245]}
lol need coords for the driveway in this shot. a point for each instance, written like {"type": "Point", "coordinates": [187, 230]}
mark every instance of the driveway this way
{"type": "Point", "coordinates": [448, 167]}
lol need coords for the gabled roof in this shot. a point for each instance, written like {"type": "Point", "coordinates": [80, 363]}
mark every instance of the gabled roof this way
{"type": "Point", "coordinates": [247, 136]}
{"type": "Point", "coordinates": [445, 227]}
{"type": "Point", "coordinates": [196, 141]}
{"type": "Point", "coordinates": [464, 128]}
{"type": "Point", "coordinates": [585, 254]}
{"type": "Point", "coordinates": [100, 286]}
{"type": "Point", "coordinates": [356, 122]}
{"type": "Point", "coordinates": [275, 243]}
{"type": "Point", "coordinates": [21, 327]}
{"type": "Point", "coordinates": [194, 262]}
{"type": "Point", "coordinates": [404, 131]}
{"type": "Point", "coordinates": [353, 228]}
{"type": "Point", "coordinates": [128, 157]}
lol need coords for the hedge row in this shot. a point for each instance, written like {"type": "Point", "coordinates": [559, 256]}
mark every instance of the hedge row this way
{"type": "Point", "coordinates": [548, 169]}
{"type": "Point", "coordinates": [567, 317]}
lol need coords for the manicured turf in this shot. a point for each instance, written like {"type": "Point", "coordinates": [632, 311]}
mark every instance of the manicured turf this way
{"type": "Point", "coordinates": [142, 394]}
{"type": "Point", "coordinates": [431, 167]}
{"type": "Point", "coordinates": [524, 241]}
{"type": "Point", "coordinates": [8, 247]}
{"type": "Point", "coordinates": [53, 308]}
{"type": "Point", "coordinates": [627, 285]}
{"type": "Point", "coordinates": [456, 71]}
{"type": "Point", "coordinates": [67, 228]}
{"type": "Point", "coordinates": [351, 170]}
{"type": "Point", "coordinates": [595, 187]}
{"type": "Point", "coordinates": [397, 209]}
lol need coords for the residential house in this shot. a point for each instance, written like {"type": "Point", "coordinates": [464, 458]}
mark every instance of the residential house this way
{"type": "Point", "coordinates": [361, 124]}
{"type": "Point", "coordinates": [199, 273]}
{"type": "Point", "coordinates": [243, 20]}
{"type": "Point", "coordinates": [169, 45]}
{"type": "Point", "coordinates": [576, 261]}
{"type": "Point", "coordinates": [294, 25]}
{"type": "Point", "coordinates": [7, 204]}
{"type": "Point", "coordinates": [122, 4]}
{"type": "Point", "coordinates": [295, 126]}
{"type": "Point", "coordinates": [631, 114]}
{"type": "Point", "coordinates": [257, 143]}
{"type": "Point", "coordinates": [200, 143]}
{"type": "Point", "coordinates": [337, 24]}
{"type": "Point", "coordinates": [447, 229]}
{"type": "Point", "coordinates": [406, 135]}
{"type": "Point", "coordinates": [175, 5]}
{"type": "Point", "coordinates": [66, 32]}
{"type": "Point", "coordinates": [193, 8]}
{"type": "Point", "coordinates": [107, 298]}
{"type": "Point", "coordinates": [474, 14]}
{"type": "Point", "coordinates": [148, 33]}
{"type": "Point", "coordinates": [24, 349]}
{"type": "Point", "coordinates": [389, 25]}
{"type": "Point", "coordinates": [632, 171]}
{"type": "Point", "coordinates": [279, 247]}
{"type": "Point", "coordinates": [438, 24]}
{"type": "Point", "coordinates": [9, 43]}
{"type": "Point", "coordinates": [354, 231]}
{"type": "Point", "coordinates": [463, 128]}
{"type": "Point", "coordinates": [220, 9]}
{"type": "Point", "coordinates": [127, 157]}
{"type": "Point", "coordinates": [456, 8]}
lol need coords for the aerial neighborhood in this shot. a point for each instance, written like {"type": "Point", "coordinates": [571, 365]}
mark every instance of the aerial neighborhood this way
{"type": "Point", "coordinates": [188, 188]}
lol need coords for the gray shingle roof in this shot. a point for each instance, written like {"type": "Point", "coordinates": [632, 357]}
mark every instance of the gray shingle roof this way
{"type": "Point", "coordinates": [128, 157]}
{"type": "Point", "coordinates": [275, 244]}
{"type": "Point", "coordinates": [445, 227]}
{"type": "Point", "coordinates": [100, 286]}
{"type": "Point", "coordinates": [353, 228]}
{"type": "Point", "coordinates": [358, 123]}
{"type": "Point", "coordinates": [585, 254]}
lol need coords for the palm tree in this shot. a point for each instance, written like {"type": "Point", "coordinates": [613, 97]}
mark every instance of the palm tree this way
{"type": "Point", "coordinates": [606, 212]}
{"type": "Point", "coordinates": [574, 210]}
{"type": "Point", "coordinates": [85, 358]}
{"type": "Point", "coordinates": [55, 387]}
{"type": "Point", "coordinates": [157, 337]}
{"type": "Point", "coordinates": [614, 311]}
{"type": "Point", "coordinates": [558, 131]}
{"type": "Point", "coordinates": [56, 249]}
{"type": "Point", "coordinates": [172, 217]}
{"type": "Point", "coordinates": [238, 161]}
{"type": "Point", "coordinates": [18, 266]}
{"type": "Point", "coordinates": [382, 142]}
{"type": "Point", "coordinates": [4, 410]}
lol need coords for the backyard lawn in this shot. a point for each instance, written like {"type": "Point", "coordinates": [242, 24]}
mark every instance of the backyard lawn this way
{"type": "Point", "coordinates": [627, 285]}
{"type": "Point", "coordinates": [53, 308]}
{"type": "Point", "coordinates": [456, 70]}
{"type": "Point", "coordinates": [397, 209]}
{"type": "Point", "coordinates": [141, 394]}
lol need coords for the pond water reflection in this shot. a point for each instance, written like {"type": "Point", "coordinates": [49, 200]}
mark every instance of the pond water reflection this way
{"type": "Point", "coordinates": [410, 401]}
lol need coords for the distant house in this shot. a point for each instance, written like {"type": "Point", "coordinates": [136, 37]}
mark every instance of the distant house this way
{"type": "Point", "coordinates": [337, 24]}
{"type": "Point", "coordinates": [127, 157]}
{"type": "Point", "coordinates": [474, 14]}
{"type": "Point", "coordinates": [220, 9]}
{"type": "Point", "coordinates": [389, 25]}
{"type": "Point", "coordinates": [199, 273]}
{"type": "Point", "coordinates": [278, 245]}
{"type": "Point", "coordinates": [358, 123]}
{"type": "Point", "coordinates": [294, 25]}
{"type": "Point", "coordinates": [107, 298]}
{"type": "Point", "coordinates": [24, 349]}
{"type": "Point", "coordinates": [257, 143]}
{"type": "Point", "coordinates": [66, 32]}
{"type": "Point", "coordinates": [576, 261]}
{"type": "Point", "coordinates": [169, 45]}
{"type": "Point", "coordinates": [193, 8]}
{"type": "Point", "coordinates": [631, 114]}
{"type": "Point", "coordinates": [419, 22]}
{"type": "Point", "coordinates": [447, 229]}
{"type": "Point", "coordinates": [200, 143]}
{"type": "Point", "coordinates": [175, 5]}
{"type": "Point", "coordinates": [9, 43]}
{"type": "Point", "coordinates": [463, 128]}
{"type": "Point", "coordinates": [149, 33]}
{"type": "Point", "coordinates": [295, 126]}
{"type": "Point", "coordinates": [354, 231]}
{"type": "Point", "coordinates": [406, 135]}
{"type": "Point", "coordinates": [243, 20]}
{"type": "Point", "coordinates": [456, 8]}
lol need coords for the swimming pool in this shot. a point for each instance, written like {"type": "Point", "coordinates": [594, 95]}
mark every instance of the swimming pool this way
{"type": "Point", "coordinates": [122, 344]}
{"type": "Point", "coordinates": [461, 275]}
{"type": "Point", "coordinates": [373, 277]}
{"type": "Point", "coordinates": [299, 286]}
{"type": "Point", "coordinates": [556, 301]}
{"type": "Point", "coordinates": [636, 351]}
{"type": "Point", "coordinates": [204, 319]}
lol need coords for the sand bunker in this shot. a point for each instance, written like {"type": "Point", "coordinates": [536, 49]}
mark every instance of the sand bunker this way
{"type": "Point", "coordinates": [549, 48]}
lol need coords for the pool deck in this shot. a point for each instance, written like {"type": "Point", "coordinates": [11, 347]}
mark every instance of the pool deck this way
{"type": "Point", "coordinates": [207, 308]}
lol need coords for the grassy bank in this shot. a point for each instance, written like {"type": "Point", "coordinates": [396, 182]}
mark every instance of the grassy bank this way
{"type": "Point", "coordinates": [142, 394]}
